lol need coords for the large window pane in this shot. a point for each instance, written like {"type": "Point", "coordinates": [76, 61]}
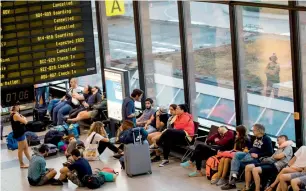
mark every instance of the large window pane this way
{"type": "Point", "coordinates": [289, 128]}
{"type": "Point", "coordinates": [265, 57]}
{"type": "Point", "coordinates": [213, 62]}
{"type": "Point", "coordinates": [302, 26]}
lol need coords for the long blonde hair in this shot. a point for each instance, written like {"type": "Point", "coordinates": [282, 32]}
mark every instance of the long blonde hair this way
{"type": "Point", "coordinates": [98, 127]}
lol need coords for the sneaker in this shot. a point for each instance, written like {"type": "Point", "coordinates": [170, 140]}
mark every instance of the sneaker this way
{"type": "Point", "coordinates": [228, 187]}
{"type": "Point", "coordinates": [185, 164]}
{"type": "Point", "coordinates": [221, 182]}
{"type": "Point", "coordinates": [195, 174]}
{"type": "Point", "coordinates": [156, 159]}
{"type": "Point", "coordinates": [57, 183]}
{"type": "Point", "coordinates": [117, 156]}
{"type": "Point", "coordinates": [152, 154]}
{"type": "Point", "coordinates": [65, 180]}
{"type": "Point", "coordinates": [164, 163]}
{"type": "Point", "coordinates": [215, 181]}
{"type": "Point", "coordinates": [153, 147]}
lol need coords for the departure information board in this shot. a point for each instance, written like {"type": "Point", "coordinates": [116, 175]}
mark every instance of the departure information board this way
{"type": "Point", "coordinates": [43, 41]}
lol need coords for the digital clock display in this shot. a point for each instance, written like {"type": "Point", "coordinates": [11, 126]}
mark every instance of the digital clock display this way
{"type": "Point", "coordinates": [23, 94]}
{"type": "Point", "coordinates": [44, 41]}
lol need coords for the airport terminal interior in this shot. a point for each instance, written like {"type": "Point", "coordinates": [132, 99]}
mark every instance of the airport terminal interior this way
{"type": "Point", "coordinates": [68, 67]}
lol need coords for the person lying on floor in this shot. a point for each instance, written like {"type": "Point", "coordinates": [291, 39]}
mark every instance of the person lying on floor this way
{"type": "Point", "coordinates": [220, 141]}
{"type": "Point", "coordinates": [262, 147]}
{"type": "Point", "coordinates": [147, 113]}
{"type": "Point", "coordinates": [76, 171]}
{"type": "Point", "coordinates": [38, 174]}
{"type": "Point", "coordinates": [296, 164]}
{"type": "Point", "coordinates": [183, 128]}
{"type": "Point", "coordinates": [89, 108]}
{"type": "Point", "coordinates": [97, 134]}
{"type": "Point", "coordinates": [242, 143]}
{"type": "Point", "coordinates": [154, 137]}
{"type": "Point", "coordinates": [269, 166]}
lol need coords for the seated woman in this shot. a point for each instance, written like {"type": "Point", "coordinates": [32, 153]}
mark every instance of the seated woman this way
{"type": "Point", "coordinates": [91, 106]}
{"type": "Point", "coordinates": [157, 121]}
{"type": "Point", "coordinates": [99, 135]}
{"type": "Point", "coordinates": [220, 141]}
{"type": "Point", "coordinates": [18, 123]}
{"type": "Point", "coordinates": [296, 164]}
{"type": "Point", "coordinates": [242, 143]}
{"type": "Point", "coordinates": [153, 137]}
{"type": "Point", "coordinates": [87, 92]}
{"type": "Point", "coordinates": [183, 127]}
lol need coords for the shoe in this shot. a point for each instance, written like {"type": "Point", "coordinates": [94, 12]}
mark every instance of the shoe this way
{"type": "Point", "coordinates": [215, 181]}
{"type": "Point", "coordinates": [65, 180]}
{"type": "Point", "coordinates": [152, 154]}
{"type": "Point", "coordinates": [156, 159]}
{"type": "Point", "coordinates": [117, 156]}
{"type": "Point", "coordinates": [221, 182]}
{"type": "Point", "coordinates": [228, 187]}
{"type": "Point", "coordinates": [195, 174]}
{"type": "Point", "coordinates": [232, 180]}
{"type": "Point", "coordinates": [164, 163]}
{"type": "Point", "coordinates": [185, 164]}
{"type": "Point", "coordinates": [57, 183]}
{"type": "Point", "coordinates": [153, 147]}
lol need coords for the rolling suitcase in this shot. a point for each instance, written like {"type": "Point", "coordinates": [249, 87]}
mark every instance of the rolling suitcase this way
{"type": "Point", "coordinates": [137, 157]}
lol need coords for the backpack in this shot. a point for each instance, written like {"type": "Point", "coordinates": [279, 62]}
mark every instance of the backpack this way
{"type": "Point", "coordinates": [32, 138]}
{"type": "Point", "coordinates": [211, 166]}
{"type": "Point", "coordinates": [53, 137]}
{"type": "Point", "coordinates": [11, 142]}
{"type": "Point", "coordinates": [36, 126]}
{"type": "Point", "coordinates": [93, 181]}
{"type": "Point", "coordinates": [73, 129]}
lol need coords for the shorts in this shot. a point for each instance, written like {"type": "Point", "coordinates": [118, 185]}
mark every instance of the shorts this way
{"type": "Point", "coordinates": [301, 176]}
{"type": "Point", "coordinates": [267, 169]}
{"type": "Point", "coordinates": [22, 138]}
{"type": "Point", "coordinates": [93, 113]}
{"type": "Point", "coordinates": [41, 181]}
{"type": "Point", "coordinates": [151, 129]}
{"type": "Point", "coordinates": [73, 177]}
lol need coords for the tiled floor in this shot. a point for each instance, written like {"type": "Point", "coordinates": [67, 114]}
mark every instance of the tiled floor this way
{"type": "Point", "coordinates": [171, 177]}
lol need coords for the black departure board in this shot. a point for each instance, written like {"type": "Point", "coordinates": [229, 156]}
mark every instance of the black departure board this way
{"type": "Point", "coordinates": [43, 41]}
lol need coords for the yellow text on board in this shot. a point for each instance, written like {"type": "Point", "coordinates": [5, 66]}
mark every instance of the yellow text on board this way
{"type": "Point", "coordinates": [114, 7]}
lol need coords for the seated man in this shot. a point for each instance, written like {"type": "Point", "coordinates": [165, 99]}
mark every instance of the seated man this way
{"type": "Point", "coordinates": [219, 141]}
{"type": "Point", "coordinates": [269, 166]}
{"type": "Point", "coordinates": [298, 180]}
{"type": "Point", "coordinates": [38, 174]}
{"type": "Point", "coordinates": [262, 147]}
{"type": "Point", "coordinates": [76, 171]}
{"type": "Point", "coordinates": [296, 164]}
{"type": "Point", "coordinates": [157, 121]}
{"type": "Point", "coordinates": [147, 113]}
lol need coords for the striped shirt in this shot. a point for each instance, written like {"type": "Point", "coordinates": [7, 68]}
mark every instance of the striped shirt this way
{"type": "Point", "coordinates": [37, 167]}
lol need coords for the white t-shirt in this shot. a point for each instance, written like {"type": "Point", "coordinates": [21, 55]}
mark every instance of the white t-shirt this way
{"type": "Point", "coordinates": [96, 140]}
{"type": "Point", "coordinates": [300, 157]}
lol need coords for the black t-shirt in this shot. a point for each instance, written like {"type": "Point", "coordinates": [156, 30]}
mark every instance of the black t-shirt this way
{"type": "Point", "coordinates": [82, 167]}
{"type": "Point", "coordinates": [163, 118]}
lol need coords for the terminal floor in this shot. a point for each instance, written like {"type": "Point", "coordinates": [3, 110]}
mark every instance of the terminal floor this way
{"type": "Point", "coordinates": [168, 178]}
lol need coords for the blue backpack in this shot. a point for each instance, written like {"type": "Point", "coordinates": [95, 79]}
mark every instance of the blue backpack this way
{"type": "Point", "coordinates": [11, 142]}
{"type": "Point", "coordinates": [73, 129]}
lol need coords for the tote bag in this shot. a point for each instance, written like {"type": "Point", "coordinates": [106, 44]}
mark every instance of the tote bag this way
{"type": "Point", "coordinates": [91, 151]}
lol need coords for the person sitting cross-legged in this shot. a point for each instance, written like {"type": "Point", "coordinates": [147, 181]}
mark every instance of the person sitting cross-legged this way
{"type": "Point", "coordinates": [76, 171]}
{"type": "Point", "coordinates": [38, 174]}
{"type": "Point", "coordinates": [262, 147]}
{"type": "Point", "coordinates": [269, 166]}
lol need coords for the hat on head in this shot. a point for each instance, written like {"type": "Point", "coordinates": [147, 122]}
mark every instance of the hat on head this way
{"type": "Point", "coordinates": [163, 109]}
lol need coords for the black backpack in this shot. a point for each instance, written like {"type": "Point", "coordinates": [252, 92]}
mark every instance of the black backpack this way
{"type": "Point", "coordinates": [53, 137]}
{"type": "Point", "coordinates": [93, 181]}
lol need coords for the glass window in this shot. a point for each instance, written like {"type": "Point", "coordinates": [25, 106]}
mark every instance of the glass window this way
{"type": "Point", "coordinates": [213, 61]}
{"type": "Point", "coordinates": [264, 1]}
{"type": "Point", "coordinates": [253, 112]}
{"type": "Point", "coordinates": [302, 20]}
{"type": "Point", "coordinates": [265, 54]}
{"type": "Point", "coordinates": [162, 40]}
{"type": "Point", "coordinates": [289, 129]}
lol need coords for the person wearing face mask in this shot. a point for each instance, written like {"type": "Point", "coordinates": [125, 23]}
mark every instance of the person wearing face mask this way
{"type": "Point", "coordinates": [221, 141]}
{"type": "Point", "coordinates": [147, 113]}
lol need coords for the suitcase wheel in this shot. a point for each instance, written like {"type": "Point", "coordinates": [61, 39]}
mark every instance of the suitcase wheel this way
{"type": "Point", "coordinates": [150, 172]}
{"type": "Point", "coordinates": [130, 175]}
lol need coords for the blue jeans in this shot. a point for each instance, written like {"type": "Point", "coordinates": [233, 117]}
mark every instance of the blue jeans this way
{"type": "Point", "coordinates": [151, 129]}
{"type": "Point", "coordinates": [52, 104]}
{"type": "Point", "coordinates": [61, 109]}
{"type": "Point", "coordinates": [42, 92]}
{"type": "Point", "coordinates": [240, 159]}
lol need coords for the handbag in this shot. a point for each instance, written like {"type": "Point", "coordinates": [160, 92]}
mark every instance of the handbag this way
{"type": "Point", "coordinates": [226, 154]}
{"type": "Point", "coordinates": [91, 151]}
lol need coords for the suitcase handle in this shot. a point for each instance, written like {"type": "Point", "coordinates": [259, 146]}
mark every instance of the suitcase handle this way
{"type": "Point", "coordinates": [140, 137]}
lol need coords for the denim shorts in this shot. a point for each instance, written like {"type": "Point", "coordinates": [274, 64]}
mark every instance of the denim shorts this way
{"type": "Point", "coordinates": [21, 138]}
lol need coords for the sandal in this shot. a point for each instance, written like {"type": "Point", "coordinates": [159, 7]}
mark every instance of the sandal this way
{"type": "Point", "coordinates": [24, 166]}
{"type": "Point", "coordinates": [269, 188]}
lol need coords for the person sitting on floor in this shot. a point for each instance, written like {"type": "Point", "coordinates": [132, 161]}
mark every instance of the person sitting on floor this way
{"type": "Point", "coordinates": [157, 121]}
{"type": "Point", "coordinates": [219, 141]}
{"type": "Point", "coordinates": [97, 134]}
{"type": "Point", "coordinates": [76, 171]}
{"type": "Point", "coordinates": [183, 128]}
{"type": "Point", "coordinates": [38, 174]}
{"type": "Point", "coordinates": [242, 143]}
{"type": "Point", "coordinates": [296, 164]}
{"type": "Point", "coordinates": [147, 113]}
{"type": "Point", "coordinates": [298, 180]}
{"type": "Point", "coordinates": [269, 166]}
{"type": "Point", "coordinates": [262, 147]}
{"type": "Point", "coordinates": [90, 106]}
{"type": "Point", "coordinates": [153, 137]}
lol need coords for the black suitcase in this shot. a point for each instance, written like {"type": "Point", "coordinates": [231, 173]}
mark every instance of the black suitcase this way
{"type": "Point", "coordinates": [36, 126]}
{"type": "Point", "coordinates": [39, 113]}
